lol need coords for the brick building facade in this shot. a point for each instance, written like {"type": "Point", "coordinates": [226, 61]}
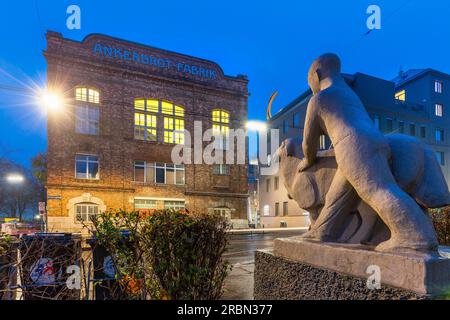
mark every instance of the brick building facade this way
{"type": "Point", "coordinates": [125, 108]}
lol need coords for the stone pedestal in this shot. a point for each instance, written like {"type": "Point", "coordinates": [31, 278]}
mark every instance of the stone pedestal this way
{"type": "Point", "coordinates": [300, 269]}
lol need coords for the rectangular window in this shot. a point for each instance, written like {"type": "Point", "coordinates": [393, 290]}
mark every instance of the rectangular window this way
{"type": "Point", "coordinates": [144, 126]}
{"type": "Point", "coordinates": [412, 129]}
{"type": "Point", "coordinates": [438, 109]}
{"type": "Point", "coordinates": [285, 208]}
{"type": "Point", "coordinates": [221, 169]}
{"type": "Point", "coordinates": [296, 120]}
{"type": "Point", "coordinates": [285, 126]}
{"type": "Point", "coordinates": [266, 210]}
{"type": "Point", "coordinates": [440, 156]}
{"type": "Point", "coordinates": [376, 122]}
{"type": "Point", "coordinates": [276, 182]}
{"type": "Point", "coordinates": [438, 86]}
{"type": "Point", "coordinates": [144, 204]}
{"type": "Point", "coordinates": [389, 125]}
{"type": "Point", "coordinates": [174, 205]}
{"type": "Point", "coordinates": [322, 142]}
{"type": "Point", "coordinates": [267, 184]}
{"type": "Point", "coordinates": [87, 95]}
{"type": "Point", "coordinates": [277, 209]}
{"type": "Point", "coordinates": [439, 134]}
{"type": "Point", "coordinates": [86, 211]}
{"type": "Point", "coordinates": [423, 132]}
{"type": "Point", "coordinates": [87, 167]}
{"type": "Point", "coordinates": [401, 95]}
{"type": "Point", "coordinates": [401, 127]}
{"type": "Point", "coordinates": [163, 173]}
{"type": "Point", "coordinates": [87, 119]}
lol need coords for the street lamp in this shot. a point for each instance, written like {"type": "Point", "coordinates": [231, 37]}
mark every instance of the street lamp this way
{"type": "Point", "coordinates": [15, 178]}
{"type": "Point", "coordinates": [50, 101]}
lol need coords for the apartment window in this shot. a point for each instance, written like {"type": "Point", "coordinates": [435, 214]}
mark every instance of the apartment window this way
{"type": "Point", "coordinates": [87, 167]}
{"type": "Point", "coordinates": [276, 182]}
{"type": "Point", "coordinates": [285, 126]}
{"type": "Point", "coordinates": [277, 209]}
{"type": "Point", "coordinates": [322, 142]}
{"type": "Point", "coordinates": [87, 119]}
{"type": "Point", "coordinates": [285, 208]}
{"type": "Point", "coordinates": [86, 94]}
{"type": "Point", "coordinates": [296, 120]}
{"type": "Point", "coordinates": [412, 129]}
{"type": "Point", "coordinates": [267, 184]}
{"type": "Point", "coordinates": [401, 95]}
{"type": "Point", "coordinates": [389, 125]}
{"type": "Point", "coordinates": [423, 132]}
{"type": "Point", "coordinates": [221, 169]}
{"type": "Point", "coordinates": [439, 134]}
{"type": "Point", "coordinates": [440, 156]}
{"type": "Point", "coordinates": [86, 211]}
{"type": "Point", "coordinates": [266, 210]}
{"type": "Point", "coordinates": [401, 127]}
{"type": "Point", "coordinates": [145, 119]}
{"type": "Point", "coordinates": [438, 109]}
{"type": "Point", "coordinates": [173, 122]}
{"type": "Point", "coordinates": [144, 204]}
{"type": "Point", "coordinates": [221, 127]}
{"type": "Point", "coordinates": [376, 122]}
{"type": "Point", "coordinates": [162, 173]}
{"type": "Point", "coordinates": [438, 86]}
{"type": "Point", "coordinates": [174, 205]}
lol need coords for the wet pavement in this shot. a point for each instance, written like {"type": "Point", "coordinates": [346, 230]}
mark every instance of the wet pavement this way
{"type": "Point", "coordinates": [241, 254]}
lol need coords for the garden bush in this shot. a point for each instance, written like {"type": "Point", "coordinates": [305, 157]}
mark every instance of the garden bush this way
{"type": "Point", "coordinates": [441, 222]}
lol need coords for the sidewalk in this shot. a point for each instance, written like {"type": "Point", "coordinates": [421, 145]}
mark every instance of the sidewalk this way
{"type": "Point", "coordinates": [265, 230]}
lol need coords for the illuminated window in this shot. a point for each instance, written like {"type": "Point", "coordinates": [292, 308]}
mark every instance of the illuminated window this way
{"type": "Point", "coordinates": [220, 127]}
{"type": "Point", "coordinates": [439, 134]}
{"type": "Point", "coordinates": [163, 173]}
{"type": "Point", "coordinates": [86, 211]}
{"type": "Point", "coordinates": [438, 109]}
{"type": "Point", "coordinates": [145, 119]}
{"type": "Point", "coordinates": [174, 125]}
{"type": "Point", "coordinates": [87, 95]}
{"type": "Point", "coordinates": [438, 86]}
{"type": "Point", "coordinates": [401, 95]}
{"type": "Point", "coordinates": [87, 167]}
{"type": "Point", "coordinates": [266, 210]}
{"type": "Point", "coordinates": [322, 142]}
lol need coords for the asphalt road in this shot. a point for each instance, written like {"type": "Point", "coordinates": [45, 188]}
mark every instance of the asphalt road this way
{"type": "Point", "coordinates": [240, 253]}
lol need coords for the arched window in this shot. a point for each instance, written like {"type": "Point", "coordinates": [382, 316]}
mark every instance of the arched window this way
{"type": "Point", "coordinates": [87, 94]}
{"type": "Point", "coordinates": [87, 113]}
{"type": "Point", "coordinates": [220, 126]}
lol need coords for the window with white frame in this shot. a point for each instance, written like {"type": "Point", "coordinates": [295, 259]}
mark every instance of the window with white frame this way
{"type": "Point", "coordinates": [87, 94]}
{"type": "Point", "coordinates": [86, 211]}
{"type": "Point", "coordinates": [266, 210]}
{"type": "Point", "coordinates": [144, 204]}
{"type": "Point", "coordinates": [438, 86]}
{"type": "Point", "coordinates": [87, 119]}
{"type": "Point", "coordinates": [174, 205]}
{"type": "Point", "coordinates": [221, 169]}
{"type": "Point", "coordinates": [438, 109]}
{"type": "Point", "coordinates": [162, 173]}
{"type": "Point", "coordinates": [87, 166]}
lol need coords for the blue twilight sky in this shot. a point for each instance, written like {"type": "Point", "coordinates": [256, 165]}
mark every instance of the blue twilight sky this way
{"type": "Point", "coordinates": [273, 42]}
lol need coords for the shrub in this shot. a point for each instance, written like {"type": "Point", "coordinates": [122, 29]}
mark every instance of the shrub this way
{"type": "Point", "coordinates": [441, 222]}
{"type": "Point", "coordinates": [186, 251]}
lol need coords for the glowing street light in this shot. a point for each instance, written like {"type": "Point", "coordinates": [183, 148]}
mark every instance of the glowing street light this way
{"type": "Point", "coordinates": [258, 126]}
{"type": "Point", "coordinates": [50, 101]}
{"type": "Point", "coordinates": [15, 178]}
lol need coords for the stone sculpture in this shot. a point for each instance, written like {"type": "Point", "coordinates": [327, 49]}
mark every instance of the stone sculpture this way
{"type": "Point", "coordinates": [366, 175]}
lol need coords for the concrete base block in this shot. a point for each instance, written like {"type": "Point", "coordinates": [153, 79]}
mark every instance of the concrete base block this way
{"type": "Point", "coordinates": [300, 269]}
